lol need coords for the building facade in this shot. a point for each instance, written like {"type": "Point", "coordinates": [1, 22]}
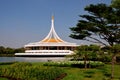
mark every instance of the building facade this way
{"type": "Point", "coordinates": [51, 45]}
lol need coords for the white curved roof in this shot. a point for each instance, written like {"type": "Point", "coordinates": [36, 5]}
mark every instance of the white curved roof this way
{"type": "Point", "coordinates": [52, 39]}
{"type": "Point", "coordinates": [50, 44]}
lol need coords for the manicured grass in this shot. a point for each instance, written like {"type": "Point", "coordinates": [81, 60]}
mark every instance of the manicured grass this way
{"type": "Point", "coordinates": [3, 78]}
{"type": "Point", "coordinates": [73, 73]}
{"type": "Point", "coordinates": [82, 74]}
{"type": "Point", "coordinates": [99, 72]}
{"type": "Point", "coordinates": [102, 73]}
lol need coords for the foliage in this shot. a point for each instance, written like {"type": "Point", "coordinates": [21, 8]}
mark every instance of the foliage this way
{"type": "Point", "coordinates": [115, 49]}
{"type": "Point", "coordinates": [27, 71]}
{"type": "Point", "coordinates": [86, 52]}
{"type": "Point", "coordinates": [72, 73]}
{"type": "Point", "coordinates": [7, 51]}
{"type": "Point", "coordinates": [116, 4]}
{"type": "Point", "coordinates": [118, 59]}
{"type": "Point", "coordinates": [79, 64]}
{"type": "Point", "coordinates": [7, 55]}
{"type": "Point", "coordinates": [100, 25]}
{"type": "Point", "coordinates": [3, 78]}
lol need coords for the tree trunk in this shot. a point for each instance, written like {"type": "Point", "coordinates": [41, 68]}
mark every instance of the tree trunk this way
{"type": "Point", "coordinates": [85, 62]}
{"type": "Point", "coordinates": [112, 69]}
{"type": "Point", "coordinates": [89, 64]}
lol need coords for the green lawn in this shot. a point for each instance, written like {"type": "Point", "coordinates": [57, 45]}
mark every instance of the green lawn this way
{"type": "Point", "coordinates": [101, 73]}
{"type": "Point", "coordinates": [3, 78]}
{"type": "Point", "coordinates": [92, 74]}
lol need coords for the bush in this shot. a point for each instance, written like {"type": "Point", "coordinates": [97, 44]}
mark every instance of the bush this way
{"type": "Point", "coordinates": [105, 59]}
{"type": "Point", "coordinates": [96, 64]}
{"type": "Point", "coordinates": [79, 64]}
{"type": "Point", "coordinates": [27, 71]}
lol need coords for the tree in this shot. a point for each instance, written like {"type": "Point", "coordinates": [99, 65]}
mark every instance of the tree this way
{"type": "Point", "coordinates": [115, 50]}
{"type": "Point", "coordinates": [82, 51]}
{"type": "Point", "coordinates": [105, 55]}
{"type": "Point", "coordinates": [10, 51]}
{"type": "Point", "coordinates": [100, 25]}
{"type": "Point", "coordinates": [86, 52]}
{"type": "Point", "coordinates": [112, 51]}
{"type": "Point", "coordinates": [101, 21]}
{"type": "Point", "coordinates": [2, 49]}
{"type": "Point", "coordinates": [19, 50]}
{"type": "Point", "coordinates": [95, 52]}
{"type": "Point", "coordinates": [116, 4]}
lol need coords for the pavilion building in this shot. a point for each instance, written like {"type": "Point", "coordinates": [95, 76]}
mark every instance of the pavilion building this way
{"type": "Point", "coordinates": [51, 45]}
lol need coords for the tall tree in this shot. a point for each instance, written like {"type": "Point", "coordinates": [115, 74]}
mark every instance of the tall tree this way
{"type": "Point", "coordinates": [101, 23]}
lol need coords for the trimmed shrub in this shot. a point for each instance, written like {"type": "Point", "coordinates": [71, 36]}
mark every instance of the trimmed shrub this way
{"type": "Point", "coordinates": [96, 64]}
{"type": "Point", "coordinates": [79, 64]}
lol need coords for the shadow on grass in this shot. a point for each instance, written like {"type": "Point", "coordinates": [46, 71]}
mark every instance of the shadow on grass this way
{"type": "Point", "coordinates": [89, 73]}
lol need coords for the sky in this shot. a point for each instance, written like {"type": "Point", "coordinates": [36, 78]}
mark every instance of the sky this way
{"type": "Point", "coordinates": [26, 21]}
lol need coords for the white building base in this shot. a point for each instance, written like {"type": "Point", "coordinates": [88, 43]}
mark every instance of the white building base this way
{"type": "Point", "coordinates": [44, 53]}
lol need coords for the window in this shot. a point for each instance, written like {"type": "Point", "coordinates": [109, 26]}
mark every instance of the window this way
{"type": "Point", "coordinates": [53, 48]}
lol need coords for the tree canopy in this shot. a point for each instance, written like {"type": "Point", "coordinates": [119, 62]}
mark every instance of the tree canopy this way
{"type": "Point", "coordinates": [9, 50]}
{"type": "Point", "coordinates": [102, 21]}
{"type": "Point", "coordinates": [116, 4]}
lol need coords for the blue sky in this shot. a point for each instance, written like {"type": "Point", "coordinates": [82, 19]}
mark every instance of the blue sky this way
{"type": "Point", "coordinates": [25, 21]}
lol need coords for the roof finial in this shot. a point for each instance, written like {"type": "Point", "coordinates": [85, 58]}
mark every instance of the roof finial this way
{"type": "Point", "coordinates": [52, 35]}
{"type": "Point", "coordinates": [52, 17]}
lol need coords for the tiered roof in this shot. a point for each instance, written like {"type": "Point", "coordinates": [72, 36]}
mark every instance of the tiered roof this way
{"type": "Point", "coordinates": [52, 39]}
{"type": "Point", "coordinates": [52, 35]}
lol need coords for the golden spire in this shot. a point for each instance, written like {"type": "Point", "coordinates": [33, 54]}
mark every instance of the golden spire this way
{"type": "Point", "coordinates": [52, 35]}
{"type": "Point", "coordinates": [52, 17]}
